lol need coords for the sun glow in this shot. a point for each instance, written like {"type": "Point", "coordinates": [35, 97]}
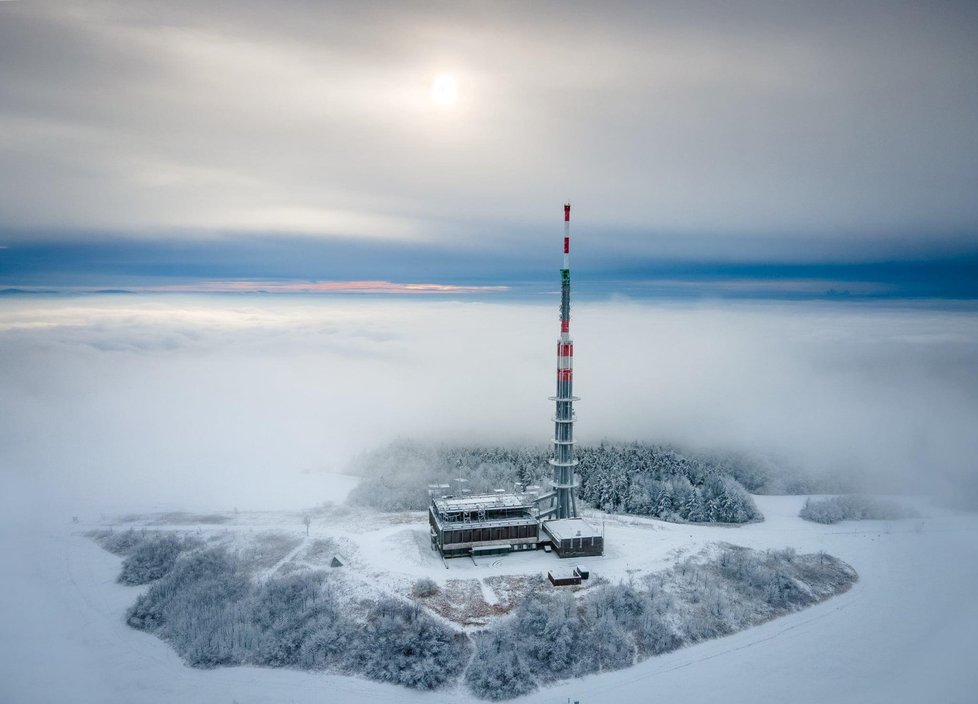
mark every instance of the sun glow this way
{"type": "Point", "coordinates": [444, 90]}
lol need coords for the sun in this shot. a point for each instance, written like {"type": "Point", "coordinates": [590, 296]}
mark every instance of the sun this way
{"type": "Point", "coordinates": [444, 90]}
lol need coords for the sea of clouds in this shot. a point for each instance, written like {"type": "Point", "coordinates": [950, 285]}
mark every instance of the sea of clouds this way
{"type": "Point", "coordinates": [170, 402]}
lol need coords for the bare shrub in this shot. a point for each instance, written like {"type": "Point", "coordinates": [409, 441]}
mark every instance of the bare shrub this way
{"type": "Point", "coordinates": [424, 588]}
{"type": "Point", "coordinates": [153, 556]}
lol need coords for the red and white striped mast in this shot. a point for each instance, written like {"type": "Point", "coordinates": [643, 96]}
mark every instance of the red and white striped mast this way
{"type": "Point", "coordinates": [563, 462]}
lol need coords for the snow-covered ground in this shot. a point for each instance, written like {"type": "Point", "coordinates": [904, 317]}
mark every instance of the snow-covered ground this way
{"type": "Point", "coordinates": [902, 634]}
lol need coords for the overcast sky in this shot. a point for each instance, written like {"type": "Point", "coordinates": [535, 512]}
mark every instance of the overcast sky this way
{"type": "Point", "coordinates": [760, 132]}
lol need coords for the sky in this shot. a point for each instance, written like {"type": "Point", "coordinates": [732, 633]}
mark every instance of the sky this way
{"type": "Point", "coordinates": [823, 147]}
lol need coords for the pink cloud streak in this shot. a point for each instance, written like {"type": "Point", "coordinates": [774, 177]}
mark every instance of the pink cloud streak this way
{"type": "Point", "coordinates": [322, 287]}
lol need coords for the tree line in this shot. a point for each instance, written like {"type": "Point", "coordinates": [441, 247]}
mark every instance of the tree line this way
{"type": "Point", "coordinates": [637, 478]}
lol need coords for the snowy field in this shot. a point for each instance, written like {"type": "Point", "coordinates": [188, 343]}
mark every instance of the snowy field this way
{"type": "Point", "coordinates": [136, 405]}
{"type": "Point", "coordinates": [901, 634]}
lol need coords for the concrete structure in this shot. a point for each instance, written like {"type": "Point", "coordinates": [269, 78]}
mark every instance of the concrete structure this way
{"type": "Point", "coordinates": [570, 535]}
{"type": "Point", "coordinates": [564, 500]}
{"type": "Point", "coordinates": [501, 522]}
{"type": "Point", "coordinates": [561, 578]}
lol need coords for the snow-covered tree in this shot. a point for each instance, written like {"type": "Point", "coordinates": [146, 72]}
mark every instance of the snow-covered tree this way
{"type": "Point", "coordinates": [401, 643]}
{"type": "Point", "coordinates": [497, 671]}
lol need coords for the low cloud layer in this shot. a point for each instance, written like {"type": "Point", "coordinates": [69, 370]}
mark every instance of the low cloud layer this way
{"type": "Point", "coordinates": [201, 402]}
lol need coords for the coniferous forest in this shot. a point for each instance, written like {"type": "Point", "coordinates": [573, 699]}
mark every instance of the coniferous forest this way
{"type": "Point", "coordinates": [636, 478]}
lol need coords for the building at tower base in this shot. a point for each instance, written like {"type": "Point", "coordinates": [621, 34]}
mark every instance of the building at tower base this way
{"type": "Point", "coordinates": [483, 524]}
{"type": "Point", "coordinates": [574, 537]}
{"type": "Point", "coordinates": [493, 524]}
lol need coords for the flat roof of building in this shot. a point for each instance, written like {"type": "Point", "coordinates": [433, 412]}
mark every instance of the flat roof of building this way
{"type": "Point", "coordinates": [488, 502]}
{"type": "Point", "coordinates": [565, 528]}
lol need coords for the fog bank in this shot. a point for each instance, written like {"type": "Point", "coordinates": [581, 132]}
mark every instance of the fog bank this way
{"type": "Point", "coordinates": [197, 402]}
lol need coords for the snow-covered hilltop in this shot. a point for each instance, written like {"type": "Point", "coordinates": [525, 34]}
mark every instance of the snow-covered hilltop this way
{"type": "Point", "coordinates": [363, 594]}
